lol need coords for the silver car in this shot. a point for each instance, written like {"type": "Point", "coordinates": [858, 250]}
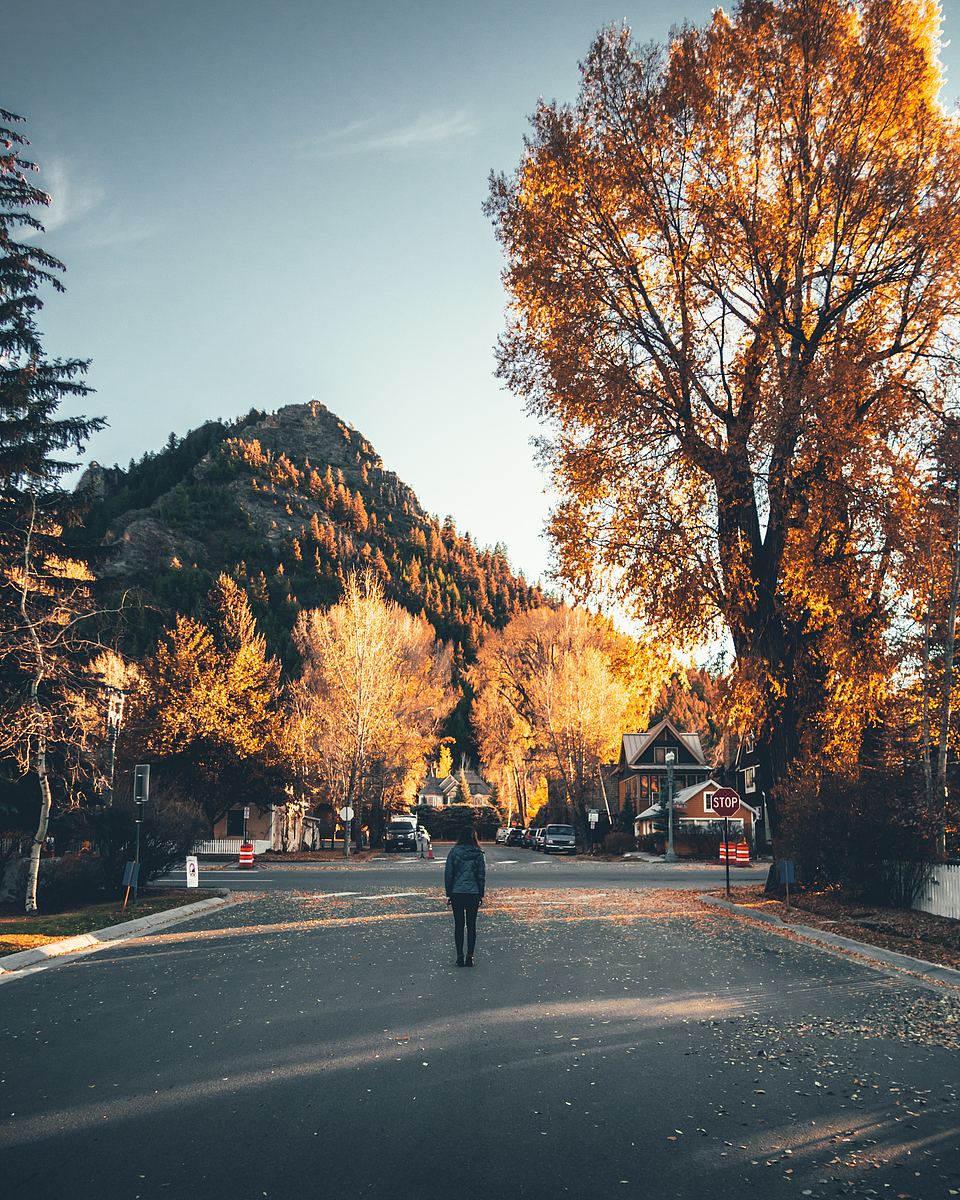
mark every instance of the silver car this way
{"type": "Point", "coordinates": [559, 839]}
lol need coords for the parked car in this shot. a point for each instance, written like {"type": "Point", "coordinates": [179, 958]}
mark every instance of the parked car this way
{"type": "Point", "coordinates": [502, 834]}
{"type": "Point", "coordinates": [528, 838]}
{"type": "Point", "coordinates": [538, 837]}
{"type": "Point", "coordinates": [400, 834]}
{"type": "Point", "coordinates": [559, 839]}
{"type": "Point", "coordinates": [515, 836]}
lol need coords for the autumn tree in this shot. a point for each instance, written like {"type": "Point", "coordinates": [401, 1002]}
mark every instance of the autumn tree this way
{"type": "Point", "coordinates": [555, 691]}
{"type": "Point", "coordinates": [733, 267]}
{"type": "Point", "coordinates": [209, 710]}
{"type": "Point", "coordinates": [45, 603]}
{"type": "Point", "coordinates": [374, 689]}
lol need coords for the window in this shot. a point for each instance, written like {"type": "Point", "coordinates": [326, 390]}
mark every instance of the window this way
{"type": "Point", "coordinates": [749, 779]}
{"type": "Point", "coordinates": [708, 801]}
{"type": "Point", "coordinates": [748, 746]}
{"type": "Point", "coordinates": [660, 754]}
{"type": "Point", "coordinates": [235, 822]}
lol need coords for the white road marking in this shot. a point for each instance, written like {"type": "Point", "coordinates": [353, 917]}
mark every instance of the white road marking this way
{"type": "Point", "coordinates": [387, 895]}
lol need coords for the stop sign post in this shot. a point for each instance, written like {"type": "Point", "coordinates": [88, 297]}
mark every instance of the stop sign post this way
{"type": "Point", "coordinates": [726, 804]}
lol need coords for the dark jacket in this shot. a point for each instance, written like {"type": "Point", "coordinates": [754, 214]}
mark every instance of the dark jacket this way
{"type": "Point", "coordinates": [465, 871]}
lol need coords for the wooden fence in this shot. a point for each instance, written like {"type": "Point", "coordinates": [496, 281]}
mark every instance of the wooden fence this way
{"type": "Point", "coordinates": [942, 897]}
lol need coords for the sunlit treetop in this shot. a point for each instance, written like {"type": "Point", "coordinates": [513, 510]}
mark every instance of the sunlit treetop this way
{"type": "Point", "coordinates": [734, 266]}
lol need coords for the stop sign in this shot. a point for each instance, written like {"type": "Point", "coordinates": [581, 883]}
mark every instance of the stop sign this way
{"type": "Point", "coordinates": [726, 802]}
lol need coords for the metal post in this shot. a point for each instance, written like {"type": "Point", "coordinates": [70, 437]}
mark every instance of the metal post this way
{"type": "Point", "coordinates": [136, 853]}
{"type": "Point", "coordinates": [726, 851]}
{"type": "Point", "coordinates": [670, 856]}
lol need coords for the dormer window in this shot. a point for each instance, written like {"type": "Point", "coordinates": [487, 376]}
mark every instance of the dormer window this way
{"type": "Point", "coordinates": [660, 754]}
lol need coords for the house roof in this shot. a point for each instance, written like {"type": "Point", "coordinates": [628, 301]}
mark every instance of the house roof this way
{"type": "Point", "coordinates": [477, 784]}
{"type": "Point", "coordinates": [684, 794]}
{"type": "Point", "coordinates": [680, 800]}
{"type": "Point", "coordinates": [634, 744]}
{"type": "Point", "coordinates": [431, 786]}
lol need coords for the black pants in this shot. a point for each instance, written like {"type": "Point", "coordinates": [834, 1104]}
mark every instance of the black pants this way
{"type": "Point", "coordinates": [465, 905]}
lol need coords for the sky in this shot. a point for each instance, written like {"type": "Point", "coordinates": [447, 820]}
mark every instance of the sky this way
{"type": "Point", "coordinates": [264, 202]}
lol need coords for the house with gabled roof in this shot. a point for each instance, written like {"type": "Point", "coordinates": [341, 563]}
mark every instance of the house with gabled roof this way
{"type": "Point", "coordinates": [431, 792]}
{"type": "Point", "coordinates": [438, 793]}
{"type": "Point", "coordinates": [646, 759]}
{"type": "Point", "coordinates": [693, 810]}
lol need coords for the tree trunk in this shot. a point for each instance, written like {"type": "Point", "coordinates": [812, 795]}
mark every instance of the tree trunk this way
{"type": "Point", "coordinates": [925, 702]}
{"type": "Point", "coordinates": [948, 656]}
{"type": "Point", "coordinates": [46, 803]}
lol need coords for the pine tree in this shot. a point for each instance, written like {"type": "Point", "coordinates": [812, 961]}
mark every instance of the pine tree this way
{"type": "Point", "coordinates": [43, 594]}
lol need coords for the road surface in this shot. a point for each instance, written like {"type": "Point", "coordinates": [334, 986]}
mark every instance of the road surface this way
{"type": "Point", "coordinates": [612, 1041]}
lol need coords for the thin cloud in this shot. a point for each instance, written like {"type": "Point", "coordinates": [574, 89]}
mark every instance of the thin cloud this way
{"type": "Point", "coordinates": [72, 197]}
{"type": "Point", "coordinates": [370, 136]}
{"type": "Point", "coordinates": [78, 210]}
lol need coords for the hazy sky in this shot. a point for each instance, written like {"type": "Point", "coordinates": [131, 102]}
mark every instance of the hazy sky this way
{"type": "Point", "coordinates": [260, 203]}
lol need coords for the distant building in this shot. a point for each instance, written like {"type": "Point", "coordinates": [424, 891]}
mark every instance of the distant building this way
{"type": "Point", "coordinates": [693, 809]}
{"type": "Point", "coordinates": [745, 766]}
{"type": "Point", "coordinates": [644, 762]}
{"type": "Point", "coordinates": [438, 793]}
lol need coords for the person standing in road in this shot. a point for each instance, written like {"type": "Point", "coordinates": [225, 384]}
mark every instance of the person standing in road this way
{"type": "Point", "coordinates": [423, 841]}
{"type": "Point", "coordinates": [464, 877]}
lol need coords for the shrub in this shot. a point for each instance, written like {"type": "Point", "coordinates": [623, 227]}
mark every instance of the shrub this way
{"type": "Point", "coordinates": [171, 826]}
{"type": "Point", "coordinates": [700, 843]}
{"type": "Point", "coordinates": [874, 838]}
{"type": "Point", "coordinates": [618, 843]}
{"type": "Point", "coordinates": [63, 883]}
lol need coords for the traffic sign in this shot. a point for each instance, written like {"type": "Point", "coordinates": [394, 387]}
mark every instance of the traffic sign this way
{"type": "Point", "coordinates": [141, 783]}
{"type": "Point", "coordinates": [593, 816]}
{"type": "Point", "coordinates": [193, 874]}
{"type": "Point", "coordinates": [346, 813]}
{"type": "Point", "coordinates": [726, 802]}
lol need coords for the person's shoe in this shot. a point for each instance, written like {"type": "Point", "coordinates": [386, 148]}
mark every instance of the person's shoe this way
{"type": "Point", "coordinates": [460, 960]}
{"type": "Point", "coordinates": [469, 962]}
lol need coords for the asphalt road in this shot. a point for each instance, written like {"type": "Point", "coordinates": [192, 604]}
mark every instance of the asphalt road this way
{"type": "Point", "coordinates": [612, 1041]}
{"type": "Point", "coordinates": [507, 867]}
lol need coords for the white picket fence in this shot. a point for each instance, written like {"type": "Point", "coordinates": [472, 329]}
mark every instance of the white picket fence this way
{"type": "Point", "coordinates": [229, 846]}
{"type": "Point", "coordinates": [942, 897]}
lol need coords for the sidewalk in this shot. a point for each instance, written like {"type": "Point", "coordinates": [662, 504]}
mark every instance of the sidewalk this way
{"type": "Point", "coordinates": [50, 954]}
{"type": "Point", "coordinates": [932, 972]}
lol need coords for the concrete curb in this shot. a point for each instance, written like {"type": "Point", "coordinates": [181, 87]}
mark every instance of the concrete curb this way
{"type": "Point", "coordinates": [124, 931]}
{"type": "Point", "coordinates": [834, 941]}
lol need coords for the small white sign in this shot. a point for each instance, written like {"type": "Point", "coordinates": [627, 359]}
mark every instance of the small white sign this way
{"type": "Point", "coordinates": [246, 812]}
{"type": "Point", "coordinates": [193, 871]}
{"type": "Point", "coordinates": [346, 813]}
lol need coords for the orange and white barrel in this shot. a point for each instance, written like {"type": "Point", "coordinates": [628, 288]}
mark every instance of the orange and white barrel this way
{"type": "Point", "coordinates": [743, 854]}
{"type": "Point", "coordinates": [246, 854]}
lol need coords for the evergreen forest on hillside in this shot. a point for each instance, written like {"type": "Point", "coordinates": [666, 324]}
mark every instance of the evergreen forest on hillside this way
{"type": "Point", "coordinates": [289, 526]}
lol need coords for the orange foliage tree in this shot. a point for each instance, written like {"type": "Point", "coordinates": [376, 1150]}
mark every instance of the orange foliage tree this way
{"type": "Point", "coordinates": [553, 693]}
{"type": "Point", "coordinates": [734, 266]}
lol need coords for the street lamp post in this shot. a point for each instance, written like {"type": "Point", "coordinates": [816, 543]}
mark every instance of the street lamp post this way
{"type": "Point", "coordinates": [669, 759]}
